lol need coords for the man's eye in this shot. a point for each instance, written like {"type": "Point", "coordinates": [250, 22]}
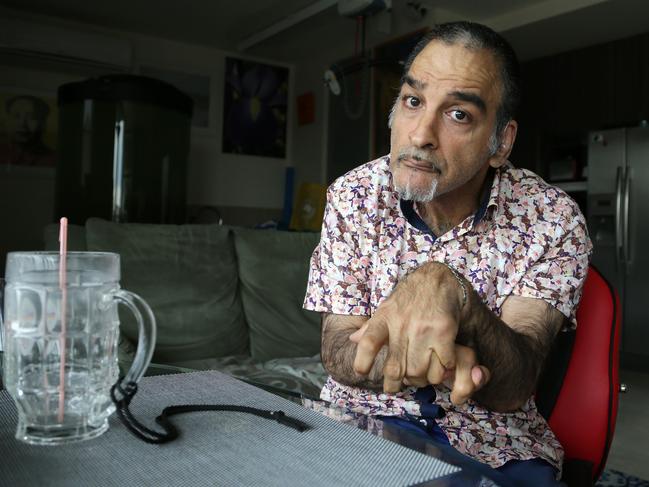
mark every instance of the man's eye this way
{"type": "Point", "coordinates": [459, 116]}
{"type": "Point", "coordinates": [412, 101]}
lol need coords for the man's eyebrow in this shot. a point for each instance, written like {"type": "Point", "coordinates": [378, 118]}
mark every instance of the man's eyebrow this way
{"type": "Point", "coordinates": [470, 98]}
{"type": "Point", "coordinates": [460, 95]}
{"type": "Point", "coordinates": [414, 83]}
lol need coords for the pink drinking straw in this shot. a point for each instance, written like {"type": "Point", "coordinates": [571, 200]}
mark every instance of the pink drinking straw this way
{"type": "Point", "coordinates": [63, 264]}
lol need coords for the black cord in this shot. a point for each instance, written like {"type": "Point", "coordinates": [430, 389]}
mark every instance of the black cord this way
{"type": "Point", "coordinates": [170, 431]}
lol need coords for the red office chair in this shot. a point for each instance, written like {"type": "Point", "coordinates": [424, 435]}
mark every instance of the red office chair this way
{"type": "Point", "coordinates": [582, 408]}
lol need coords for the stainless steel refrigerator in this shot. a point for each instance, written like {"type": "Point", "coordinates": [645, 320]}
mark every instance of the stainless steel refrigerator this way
{"type": "Point", "coordinates": [618, 220]}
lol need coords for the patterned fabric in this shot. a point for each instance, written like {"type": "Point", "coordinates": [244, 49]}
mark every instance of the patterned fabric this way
{"type": "Point", "coordinates": [529, 240]}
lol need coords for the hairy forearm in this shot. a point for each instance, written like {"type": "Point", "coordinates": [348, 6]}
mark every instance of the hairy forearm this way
{"type": "Point", "coordinates": [513, 356]}
{"type": "Point", "coordinates": [338, 352]}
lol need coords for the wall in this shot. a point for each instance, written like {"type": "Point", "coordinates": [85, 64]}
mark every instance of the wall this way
{"type": "Point", "coordinates": [27, 193]}
{"type": "Point", "coordinates": [217, 178]}
{"type": "Point", "coordinates": [246, 189]}
{"type": "Point", "coordinates": [314, 46]}
{"type": "Point", "coordinates": [574, 92]}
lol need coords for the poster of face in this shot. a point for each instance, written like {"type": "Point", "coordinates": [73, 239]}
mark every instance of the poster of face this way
{"type": "Point", "coordinates": [28, 130]}
{"type": "Point", "coordinates": [255, 108]}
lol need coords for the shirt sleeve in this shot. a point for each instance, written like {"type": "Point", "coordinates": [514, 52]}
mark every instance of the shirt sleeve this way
{"type": "Point", "coordinates": [558, 275]}
{"type": "Point", "coordinates": [338, 272]}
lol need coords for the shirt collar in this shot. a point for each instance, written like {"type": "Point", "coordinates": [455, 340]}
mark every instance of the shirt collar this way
{"type": "Point", "coordinates": [488, 202]}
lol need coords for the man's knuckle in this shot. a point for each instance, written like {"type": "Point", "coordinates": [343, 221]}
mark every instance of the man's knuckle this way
{"type": "Point", "coordinates": [369, 342]}
{"type": "Point", "coordinates": [434, 377]}
{"type": "Point", "coordinates": [415, 380]}
{"type": "Point", "coordinates": [392, 370]}
{"type": "Point", "coordinates": [446, 356]}
{"type": "Point", "coordinates": [414, 369]}
{"type": "Point", "coordinates": [396, 326]}
{"type": "Point", "coordinates": [445, 332]}
{"type": "Point", "coordinates": [463, 389]}
{"type": "Point", "coordinates": [470, 356]}
{"type": "Point", "coordinates": [421, 327]}
{"type": "Point", "coordinates": [449, 327]}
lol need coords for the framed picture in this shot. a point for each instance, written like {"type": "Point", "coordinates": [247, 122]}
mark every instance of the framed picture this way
{"type": "Point", "coordinates": [255, 108]}
{"type": "Point", "coordinates": [193, 85]}
{"type": "Point", "coordinates": [28, 129]}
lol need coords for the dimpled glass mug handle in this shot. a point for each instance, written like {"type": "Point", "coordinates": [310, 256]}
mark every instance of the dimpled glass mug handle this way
{"type": "Point", "coordinates": [146, 336]}
{"type": "Point", "coordinates": [2, 331]}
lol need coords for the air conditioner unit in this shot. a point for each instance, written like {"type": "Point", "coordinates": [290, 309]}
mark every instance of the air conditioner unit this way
{"type": "Point", "coordinates": [351, 8]}
{"type": "Point", "coordinates": [55, 42]}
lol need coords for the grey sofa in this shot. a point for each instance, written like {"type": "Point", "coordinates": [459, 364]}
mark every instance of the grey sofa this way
{"type": "Point", "coordinates": [225, 298]}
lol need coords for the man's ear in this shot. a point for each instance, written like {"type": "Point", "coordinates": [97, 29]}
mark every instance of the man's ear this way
{"type": "Point", "coordinates": [506, 143]}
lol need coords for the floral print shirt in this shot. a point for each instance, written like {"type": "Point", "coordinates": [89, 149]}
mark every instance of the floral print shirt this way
{"type": "Point", "coordinates": [527, 239]}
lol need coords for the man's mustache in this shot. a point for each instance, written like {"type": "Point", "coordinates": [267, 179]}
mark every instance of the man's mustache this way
{"type": "Point", "coordinates": [418, 155]}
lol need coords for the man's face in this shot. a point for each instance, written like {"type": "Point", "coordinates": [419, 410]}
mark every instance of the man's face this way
{"type": "Point", "coordinates": [443, 121]}
{"type": "Point", "coordinates": [24, 122]}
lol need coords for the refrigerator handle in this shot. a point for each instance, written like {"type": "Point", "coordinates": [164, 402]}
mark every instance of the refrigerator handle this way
{"type": "Point", "coordinates": [618, 218]}
{"type": "Point", "coordinates": [625, 218]}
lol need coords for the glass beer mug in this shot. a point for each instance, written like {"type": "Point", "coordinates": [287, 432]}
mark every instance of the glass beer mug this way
{"type": "Point", "coordinates": [60, 343]}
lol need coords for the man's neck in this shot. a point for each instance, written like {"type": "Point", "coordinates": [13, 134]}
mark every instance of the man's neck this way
{"type": "Point", "coordinates": [446, 211]}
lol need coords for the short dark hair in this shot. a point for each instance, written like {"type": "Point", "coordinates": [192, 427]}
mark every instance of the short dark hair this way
{"type": "Point", "coordinates": [41, 108]}
{"type": "Point", "coordinates": [478, 36]}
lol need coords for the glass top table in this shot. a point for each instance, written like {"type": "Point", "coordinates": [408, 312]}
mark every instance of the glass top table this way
{"type": "Point", "coordinates": [473, 473]}
{"type": "Point", "coordinates": [238, 449]}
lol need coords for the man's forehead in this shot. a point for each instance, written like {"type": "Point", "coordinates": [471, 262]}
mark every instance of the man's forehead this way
{"type": "Point", "coordinates": [22, 104]}
{"type": "Point", "coordinates": [466, 68]}
{"type": "Point", "coordinates": [462, 54]}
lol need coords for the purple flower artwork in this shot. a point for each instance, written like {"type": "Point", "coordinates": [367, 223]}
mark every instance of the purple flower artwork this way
{"type": "Point", "coordinates": [255, 108]}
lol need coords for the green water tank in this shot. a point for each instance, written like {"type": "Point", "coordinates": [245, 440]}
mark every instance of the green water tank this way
{"type": "Point", "coordinates": [123, 148]}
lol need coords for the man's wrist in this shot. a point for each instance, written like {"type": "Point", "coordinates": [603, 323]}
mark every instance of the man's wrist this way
{"type": "Point", "coordinates": [460, 281]}
{"type": "Point", "coordinates": [472, 315]}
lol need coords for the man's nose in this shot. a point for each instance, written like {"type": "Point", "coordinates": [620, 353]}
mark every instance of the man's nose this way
{"type": "Point", "coordinates": [23, 121]}
{"type": "Point", "coordinates": [424, 133]}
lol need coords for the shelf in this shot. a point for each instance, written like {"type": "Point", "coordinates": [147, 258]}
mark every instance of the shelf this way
{"type": "Point", "coordinates": [571, 186]}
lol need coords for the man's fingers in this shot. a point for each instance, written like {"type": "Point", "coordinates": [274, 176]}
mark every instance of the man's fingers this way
{"type": "Point", "coordinates": [445, 351]}
{"type": "Point", "coordinates": [444, 340]}
{"type": "Point", "coordinates": [395, 364]}
{"type": "Point", "coordinates": [436, 370]}
{"type": "Point", "coordinates": [374, 337]}
{"type": "Point", "coordinates": [436, 333]}
{"type": "Point", "coordinates": [480, 375]}
{"type": "Point", "coordinates": [358, 334]}
{"type": "Point", "coordinates": [463, 385]}
{"type": "Point", "coordinates": [418, 362]}
{"type": "Point", "coordinates": [394, 370]}
{"type": "Point", "coordinates": [415, 381]}
{"type": "Point", "coordinates": [420, 339]}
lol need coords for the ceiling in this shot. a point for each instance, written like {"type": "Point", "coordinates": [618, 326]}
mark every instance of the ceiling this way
{"type": "Point", "coordinates": [535, 27]}
{"type": "Point", "coordinates": [216, 23]}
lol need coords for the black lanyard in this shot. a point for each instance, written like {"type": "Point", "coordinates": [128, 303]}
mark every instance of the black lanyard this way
{"type": "Point", "coordinates": [170, 431]}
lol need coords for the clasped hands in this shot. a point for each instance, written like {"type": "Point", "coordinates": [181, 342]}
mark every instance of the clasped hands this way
{"type": "Point", "coordinates": [419, 322]}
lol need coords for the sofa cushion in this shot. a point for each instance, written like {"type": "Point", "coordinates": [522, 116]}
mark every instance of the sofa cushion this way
{"type": "Point", "coordinates": [188, 275]}
{"type": "Point", "coordinates": [76, 237]}
{"type": "Point", "coordinates": [273, 270]}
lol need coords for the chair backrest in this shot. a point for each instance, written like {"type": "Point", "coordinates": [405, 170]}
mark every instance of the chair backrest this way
{"type": "Point", "coordinates": [584, 414]}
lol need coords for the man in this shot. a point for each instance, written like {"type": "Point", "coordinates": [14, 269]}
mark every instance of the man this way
{"type": "Point", "coordinates": [443, 272]}
{"type": "Point", "coordinates": [26, 120]}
